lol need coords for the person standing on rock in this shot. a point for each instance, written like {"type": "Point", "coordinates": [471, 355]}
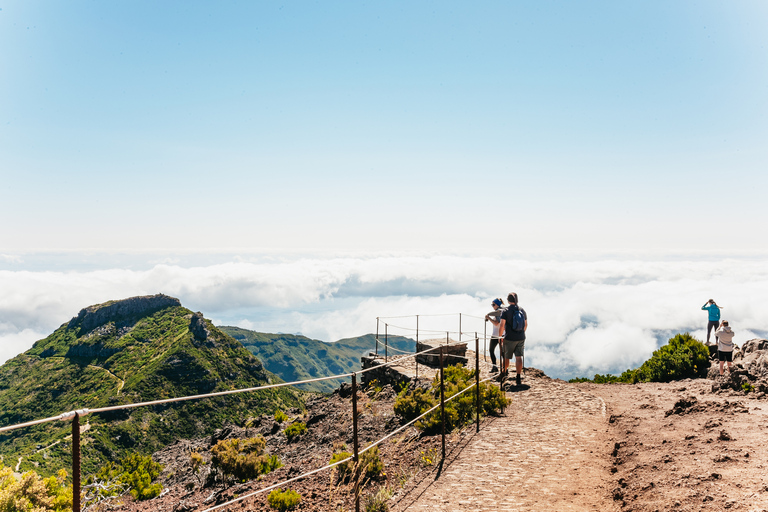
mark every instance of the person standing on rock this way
{"type": "Point", "coordinates": [724, 336]}
{"type": "Point", "coordinates": [514, 323]}
{"type": "Point", "coordinates": [714, 317]}
{"type": "Point", "coordinates": [493, 317]}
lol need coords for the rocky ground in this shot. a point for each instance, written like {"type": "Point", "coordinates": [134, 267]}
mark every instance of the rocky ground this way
{"type": "Point", "coordinates": [686, 445]}
{"type": "Point", "coordinates": [681, 446]}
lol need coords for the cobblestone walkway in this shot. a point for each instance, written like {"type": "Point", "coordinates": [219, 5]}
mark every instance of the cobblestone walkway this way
{"type": "Point", "coordinates": [547, 452]}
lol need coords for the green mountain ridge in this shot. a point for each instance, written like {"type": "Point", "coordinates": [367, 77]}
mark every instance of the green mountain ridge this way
{"type": "Point", "coordinates": [121, 352]}
{"type": "Point", "coordinates": [295, 357]}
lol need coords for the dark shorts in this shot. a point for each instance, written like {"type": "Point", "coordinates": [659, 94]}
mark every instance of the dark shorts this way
{"type": "Point", "coordinates": [513, 348]}
{"type": "Point", "coordinates": [724, 356]}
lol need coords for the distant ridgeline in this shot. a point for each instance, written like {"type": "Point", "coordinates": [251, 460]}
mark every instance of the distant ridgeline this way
{"type": "Point", "coordinates": [127, 351]}
{"type": "Point", "coordinates": [293, 357]}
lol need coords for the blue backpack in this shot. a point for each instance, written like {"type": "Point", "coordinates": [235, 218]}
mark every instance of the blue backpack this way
{"type": "Point", "coordinates": [518, 319]}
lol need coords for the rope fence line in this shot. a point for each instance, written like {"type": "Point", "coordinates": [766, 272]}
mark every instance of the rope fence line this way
{"type": "Point", "coordinates": [75, 416]}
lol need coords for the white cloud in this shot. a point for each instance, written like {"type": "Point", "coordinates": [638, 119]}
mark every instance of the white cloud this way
{"type": "Point", "coordinates": [585, 314]}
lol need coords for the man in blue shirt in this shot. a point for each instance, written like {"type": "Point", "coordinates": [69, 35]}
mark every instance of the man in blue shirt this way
{"type": "Point", "coordinates": [714, 317]}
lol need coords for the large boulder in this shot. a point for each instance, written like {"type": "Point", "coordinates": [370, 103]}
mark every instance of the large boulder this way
{"type": "Point", "coordinates": [749, 369]}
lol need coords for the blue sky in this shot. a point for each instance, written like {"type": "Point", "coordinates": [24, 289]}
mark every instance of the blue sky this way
{"type": "Point", "coordinates": [309, 166]}
{"type": "Point", "coordinates": [352, 125]}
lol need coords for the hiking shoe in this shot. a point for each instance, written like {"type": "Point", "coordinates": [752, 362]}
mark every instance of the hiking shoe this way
{"type": "Point", "coordinates": [494, 369]}
{"type": "Point", "coordinates": [518, 380]}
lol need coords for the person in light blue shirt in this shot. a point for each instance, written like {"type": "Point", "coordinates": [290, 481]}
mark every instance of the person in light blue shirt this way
{"type": "Point", "coordinates": [714, 317]}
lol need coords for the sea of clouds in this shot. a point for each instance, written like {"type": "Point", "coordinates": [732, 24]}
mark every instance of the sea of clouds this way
{"type": "Point", "coordinates": [586, 314]}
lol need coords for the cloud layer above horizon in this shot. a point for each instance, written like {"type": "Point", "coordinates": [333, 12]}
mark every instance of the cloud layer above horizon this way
{"type": "Point", "coordinates": [586, 316]}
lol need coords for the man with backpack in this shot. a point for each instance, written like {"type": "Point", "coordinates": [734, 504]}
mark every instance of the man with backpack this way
{"type": "Point", "coordinates": [514, 322]}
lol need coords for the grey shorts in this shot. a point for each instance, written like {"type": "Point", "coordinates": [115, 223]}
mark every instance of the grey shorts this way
{"type": "Point", "coordinates": [513, 348]}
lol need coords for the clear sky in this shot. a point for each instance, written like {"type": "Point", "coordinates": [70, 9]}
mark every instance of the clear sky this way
{"type": "Point", "coordinates": [364, 125]}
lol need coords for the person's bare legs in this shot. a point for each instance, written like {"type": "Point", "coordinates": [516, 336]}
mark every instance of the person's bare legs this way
{"type": "Point", "coordinates": [721, 367]}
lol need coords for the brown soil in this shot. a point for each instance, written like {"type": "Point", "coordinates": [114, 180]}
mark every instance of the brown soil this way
{"type": "Point", "coordinates": [679, 446]}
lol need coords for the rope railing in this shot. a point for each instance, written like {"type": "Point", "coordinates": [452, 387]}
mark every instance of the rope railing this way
{"type": "Point", "coordinates": [432, 332]}
{"type": "Point", "coordinates": [75, 416]}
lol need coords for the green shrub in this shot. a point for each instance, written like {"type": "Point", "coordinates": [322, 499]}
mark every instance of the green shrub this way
{"type": "Point", "coordinates": [244, 459]}
{"type": "Point", "coordinates": [459, 411]}
{"type": "Point", "coordinates": [34, 493]}
{"type": "Point", "coordinates": [371, 464]}
{"type": "Point", "coordinates": [683, 357]}
{"type": "Point", "coordinates": [345, 468]}
{"type": "Point", "coordinates": [295, 430]}
{"type": "Point", "coordinates": [280, 416]}
{"type": "Point", "coordinates": [134, 472]}
{"type": "Point", "coordinates": [747, 387]}
{"type": "Point", "coordinates": [283, 500]}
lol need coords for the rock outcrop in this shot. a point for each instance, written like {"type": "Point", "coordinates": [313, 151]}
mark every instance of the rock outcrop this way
{"type": "Point", "coordinates": [121, 310]}
{"type": "Point", "coordinates": [749, 369]}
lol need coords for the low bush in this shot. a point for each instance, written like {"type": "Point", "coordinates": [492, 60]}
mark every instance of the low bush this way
{"type": "Point", "coordinates": [244, 459]}
{"type": "Point", "coordinates": [135, 473]}
{"type": "Point", "coordinates": [683, 357]}
{"type": "Point", "coordinates": [280, 416]}
{"type": "Point", "coordinates": [31, 492]}
{"type": "Point", "coordinates": [295, 430]}
{"type": "Point", "coordinates": [283, 500]}
{"type": "Point", "coordinates": [411, 403]}
{"type": "Point", "coordinates": [370, 466]}
{"type": "Point", "coordinates": [378, 502]}
{"type": "Point", "coordinates": [345, 468]}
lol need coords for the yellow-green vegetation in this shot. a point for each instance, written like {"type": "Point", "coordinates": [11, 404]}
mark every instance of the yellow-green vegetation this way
{"type": "Point", "coordinates": [747, 387]}
{"type": "Point", "coordinates": [370, 466]}
{"type": "Point", "coordinates": [374, 388]}
{"type": "Point", "coordinates": [345, 468]}
{"type": "Point", "coordinates": [33, 493]}
{"type": "Point", "coordinates": [244, 459]}
{"type": "Point", "coordinates": [378, 502]}
{"type": "Point", "coordinates": [683, 357]}
{"type": "Point", "coordinates": [135, 473]}
{"type": "Point", "coordinates": [411, 403]}
{"type": "Point", "coordinates": [295, 430]}
{"type": "Point", "coordinates": [284, 500]}
{"type": "Point", "coordinates": [154, 354]}
{"type": "Point", "coordinates": [430, 457]}
{"type": "Point", "coordinates": [280, 416]}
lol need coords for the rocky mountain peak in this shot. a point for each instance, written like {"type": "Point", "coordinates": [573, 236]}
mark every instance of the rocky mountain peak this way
{"type": "Point", "coordinates": [114, 311]}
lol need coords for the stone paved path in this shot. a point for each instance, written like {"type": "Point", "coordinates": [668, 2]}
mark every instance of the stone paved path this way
{"type": "Point", "coordinates": [547, 452]}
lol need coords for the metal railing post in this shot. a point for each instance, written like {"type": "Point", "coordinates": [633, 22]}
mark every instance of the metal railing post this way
{"type": "Point", "coordinates": [447, 337]}
{"type": "Point", "coordinates": [459, 327]}
{"type": "Point", "coordinates": [76, 463]}
{"type": "Point", "coordinates": [442, 400]}
{"type": "Point", "coordinates": [485, 341]}
{"type": "Point", "coordinates": [416, 358]}
{"type": "Point", "coordinates": [386, 342]}
{"type": "Point", "coordinates": [377, 336]}
{"type": "Point", "coordinates": [355, 441]}
{"type": "Point", "coordinates": [477, 382]}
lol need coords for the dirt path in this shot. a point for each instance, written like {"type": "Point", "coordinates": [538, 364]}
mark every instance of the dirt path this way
{"type": "Point", "coordinates": [549, 451]}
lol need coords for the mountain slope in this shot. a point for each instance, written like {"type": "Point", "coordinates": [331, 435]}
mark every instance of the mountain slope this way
{"type": "Point", "coordinates": [128, 351]}
{"type": "Point", "coordinates": [294, 357]}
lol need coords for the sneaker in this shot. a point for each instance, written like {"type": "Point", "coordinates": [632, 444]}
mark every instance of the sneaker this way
{"type": "Point", "coordinates": [518, 380]}
{"type": "Point", "coordinates": [494, 369]}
